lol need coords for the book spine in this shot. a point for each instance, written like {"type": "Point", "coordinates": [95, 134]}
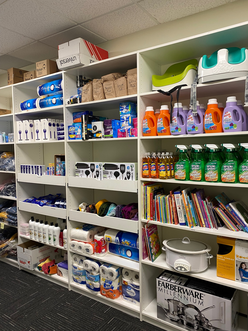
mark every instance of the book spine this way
{"type": "Point", "coordinates": [238, 218]}
{"type": "Point", "coordinates": [174, 210]}
{"type": "Point", "coordinates": [208, 215]}
{"type": "Point", "coordinates": [204, 221]}
{"type": "Point", "coordinates": [187, 210]}
{"type": "Point", "coordinates": [180, 214]}
{"type": "Point", "coordinates": [170, 210]}
{"type": "Point", "coordinates": [167, 209]}
{"type": "Point", "coordinates": [196, 209]}
{"type": "Point", "coordinates": [199, 211]}
{"type": "Point", "coordinates": [229, 215]}
{"type": "Point", "coordinates": [225, 219]}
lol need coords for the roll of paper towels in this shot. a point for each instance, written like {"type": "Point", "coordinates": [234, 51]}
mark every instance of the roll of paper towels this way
{"type": "Point", "coordinates": [88, 249]}
{"type": "Point", "coordinates": [79, 234]}
{"type": "Point", "coordinates": [73, 245]}
{"type": "Point", "coordinates": [111, 236]}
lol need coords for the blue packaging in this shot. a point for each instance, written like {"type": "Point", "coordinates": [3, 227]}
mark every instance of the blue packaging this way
{"type": "Point", "coordinates": [130, 253]}
{"type": "Point", "coordinates": [71, 132]}
{"type": "Point", "coordinates": [128, 111]}
{"type": "Point", "coordinates": [28, 104]}
{"type": "Point", "coordinates": [50, 88]}
{"type": "Point", "coordinates": [116, 124]}
{"type": "Point", "coordinates": [77, 115]}
{"type": "Point", "coordinates": [78, 131]}
{"type": "Point", "coordinates": [78, 274]}
{"type": "Point", "coordinates": [128, 239]}
{"type": "Point", "coordinates": [50, 101]}
{"type": "Point", "coordinates": [130, 291]}
{"type": "Point", "coordinates": [93, 282]}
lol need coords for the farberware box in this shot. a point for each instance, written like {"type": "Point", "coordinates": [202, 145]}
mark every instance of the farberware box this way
{"type": "Point", "coordinates": [194, 304]}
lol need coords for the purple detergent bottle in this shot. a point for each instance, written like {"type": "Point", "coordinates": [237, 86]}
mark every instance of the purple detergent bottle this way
{"type": "Point", "coordinates": [179, 120]}
{"type": "Point", "coordinates": [202, 108]}
{"type": "Point", "coordinates": [232, 116]}
{"type": "Point", "coordinates": [195, 123]}
{"type": "Point", "coordinates": [244, 116]}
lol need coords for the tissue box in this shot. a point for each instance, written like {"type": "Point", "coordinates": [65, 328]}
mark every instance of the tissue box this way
{"type": "Point", "coordinates": [194, 304]}
{"type": "Point", "coordinates": [79, 52]}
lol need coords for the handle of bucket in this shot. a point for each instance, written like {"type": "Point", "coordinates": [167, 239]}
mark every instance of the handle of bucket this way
{"type": "Point", "coordinates": [169, 93]}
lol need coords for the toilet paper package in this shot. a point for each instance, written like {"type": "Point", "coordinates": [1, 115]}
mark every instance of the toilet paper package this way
{"type": "Point", "coordinates": [50, 88]}
{"type": "Point", "coordinates": [101, 247]}
{"type": "Point", "coordinates": [121, 237]}
{"type": "Point", "coordinates": [92, 269]}
{"type": "Point", "coordinates": [130, 275]}
{"type": "Point", "coordinates": [28, 104]}
{"type": "Point", "coordinates": [78, 274]}
{"type": "Point", "coordinates": [131, 290]}
{"type": "Point", "coordinates": [130, 253]}
{"type": "Point", "coordinates": [110, 280]}
{"type": "Point", "coordinates": [73, 245]}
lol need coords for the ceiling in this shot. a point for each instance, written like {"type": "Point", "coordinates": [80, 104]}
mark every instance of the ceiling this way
{"type": "Point", "coordinates": [31, 30]}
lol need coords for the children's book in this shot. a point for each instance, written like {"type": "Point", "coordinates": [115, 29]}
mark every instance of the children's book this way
{"type": "Point", "coordinates": [154, 246]}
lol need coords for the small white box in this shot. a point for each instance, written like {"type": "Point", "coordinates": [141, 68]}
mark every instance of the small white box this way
{"type": "Point", "coordinates": [26, 130]}
{"type": "Point", "coordinates": [37, 130]}
{"type": "Point", "coordinates": [120, 171]}
{"type": "Point", "coordinates": [46, 129]}
{"type": "Point", "coordinates": [54, 129]}
{"type": "Point", "coordinates": [20, 132]}
{"type": "Point", "coordinates": [31, 130]}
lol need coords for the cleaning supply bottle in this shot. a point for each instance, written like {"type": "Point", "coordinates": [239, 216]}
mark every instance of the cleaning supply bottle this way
{"type": "Point", "coordinates": [179, 120]}
{"type": "Point", "coordinates": [158, 157]}
{"type": "Point", "coordinates": [167, 159]}
{"type": "Point", "coordinates": [195, 122]}
{"type": "Point", "coordinates": [31, 227]}
{"type": "Point", "coordinates": [213, 165]}
{"type": "Point", "coordinates": [56, 233]}
{"type": "Point", "coordinates": [163, 122]}
{"type": "Point", "coordinates": [229, 169]}
{"type": "Point", "coordinates": [243, 167]}
{"type": "Point", "coordinates": [154, 166]}
{"type": "Point", "coordinates": [45, 233]}
{"type": "Point", "coordinates": [202, 108]}
{"type": "Point", "coordinates": [162, 167]}
{"type": "Point", "coordinates": [146, 166]}
{"type": "Point", "coordinates": [50, 234]}
{"type": "Point", "coordinates": [213, 117]}
{"type": "Point", "coordinates": [197, 164]}
{"type": "Point", "coordinates": [171, 159]}
{"type": "Point", "coordinates": [244, 116]}
{"type": "Point", "coordinates": [40, 231]}
{"type": "Point", "coordinates": [157, 113]}
{"type": "Point", "coordinates": [65, 237]}
{"type": "Point", "coordinates": [182, 166]}
{"type": "Point", "coordinates": [232, 116]}
{"type": "Point", "coordinates": [36, 224]}
{"type": "Point", "coordinates": [149, 127]}
{"type": "Point", "coordinates": [185, 110]}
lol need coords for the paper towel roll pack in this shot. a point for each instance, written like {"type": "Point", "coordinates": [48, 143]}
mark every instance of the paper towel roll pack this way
{"type": "Point", "coordinates": [121, 237]}
{"type": "Point", "coordinates": [50, 88]}
{"type": "Point", "coordinates": [101, 247]}
{"type": "Point", "coordinates": [86, 232]}
{"type": "Point", "coordinates": [110, 281]}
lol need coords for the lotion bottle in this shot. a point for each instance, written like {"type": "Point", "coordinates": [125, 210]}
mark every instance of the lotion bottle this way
{"type": "Point", "coordinates": [31, 227]}
{"type": "Point", "coordinates": [50, 234]}
{"type": "Point", "coordinates": [45, 233]}
{"type": "Point", "coordinates": [56, 232]}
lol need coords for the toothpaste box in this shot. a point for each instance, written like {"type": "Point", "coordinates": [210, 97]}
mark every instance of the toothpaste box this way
{"type": "Point", "coordinates": [120, 171]}
{"type": "Point", "coordinates": [79, 52]}
{"type": "Point", "coordinates": [37, 130]}
{"type": "Point", "coordinates": [195, 304]}
{"type": "Point", "coordinates": [20, 131]}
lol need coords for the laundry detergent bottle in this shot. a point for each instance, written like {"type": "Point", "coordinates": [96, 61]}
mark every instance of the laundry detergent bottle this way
{"type": "Point", "coordinates": [244, 116]}
{"type": "Point", "coordinates": [179, 120]}
{"type": "Point", "coordinates": [243, 167]}
{"type": "Point", "coordinates": [149, 127]}
{"type": "Point", "coordinates": [182, 166]}
{"type": "Point", "coordinates": [213, 166]}
{"type": "Point", "coordinates": [232, 116]}
{"type": "Point", "coordinates": [195, 123]}
{"type": "Point", "coordinates": [229, 169]}
{"type": "Point", "coordinates": [163, 122]}
{"type": "Point", "coordinates": [213, 117]}
{"type": "Point", "coordinates": [202, 108]}
{"type": "Point", "coordinates": [197, 164]}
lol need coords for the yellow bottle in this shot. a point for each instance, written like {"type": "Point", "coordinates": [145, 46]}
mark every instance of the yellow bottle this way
{"type": "Point", "coordinates": [172, 165]}
{"type": "Point", "coordinates": [162, 167]}
{"type": "Point", "coordinates": [167, 158]}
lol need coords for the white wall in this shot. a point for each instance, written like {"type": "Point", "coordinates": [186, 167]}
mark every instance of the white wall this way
{"type": "Point", "coordinates": [220, 17]}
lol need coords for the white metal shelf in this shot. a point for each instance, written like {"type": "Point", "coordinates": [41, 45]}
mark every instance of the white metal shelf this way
{"type": "Point", "coordinates": [9, 261]}
{"type": "Point", "coordinates": [149, 314]}
{"type": "Point", "coordinates": [35, 82]}
{"type": "Point", "coordinates": [28, 237]}
{"type": "Point", "coordinates": [111, 185]}
{"type": "Point", "coordinates": [6, 172]}
{"type": "Point", "coordinates": [103, 139]}
{"type": "Point", "coordinates": [207, 275]}
{"type": "Point", "coordinates": [192, 182]}
{"type": "Point", "coordinates": [114, 259]}
{"type": "Point", "coordinates": [6, 224]}
{"type": "Point", "coordinates": [6, 118]}
{"type": "Point", "coordinates": [40, 142]}
{"type": "Point", "coordinates": [118, 303]}
{"type": "Point", "coordinates": [46, 180]}
{"type": "Point", "coordinates": [121, 224]}
{"type": "Point", "coordinates": [6, 144]}
{"type": "Point", "coordinates": [47, 211]}
{"type": "Point", "coordinates": [43, 111]}
{"type": "Point", "coordinates": [223, 232]}
{"type": "Point", "coordinates": [7, 197]}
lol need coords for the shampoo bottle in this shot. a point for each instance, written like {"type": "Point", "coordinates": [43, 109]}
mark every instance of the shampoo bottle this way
{"type": "Point", "coordinates": [40, 231]}
{"type": "Point", "coordinates": [36, 224]}
{"type": "Point", "coordinates": [50, 234]}
{"type": "Point", "coordinates": [65, 237]}
{"type": "Point", "coordinates": [31, 227]}
{"type": "Point", "coordinates": [56, 232]}
{"type": "Point", "coordinates": [45, 233]}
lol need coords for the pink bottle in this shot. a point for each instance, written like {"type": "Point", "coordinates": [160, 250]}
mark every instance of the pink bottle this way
{"type": "Point", "coordinates": [179, 120]}
{"type": "Point", "coordinates": [232, 116]}
{"type": "Point", "coordinates": [195, 123]}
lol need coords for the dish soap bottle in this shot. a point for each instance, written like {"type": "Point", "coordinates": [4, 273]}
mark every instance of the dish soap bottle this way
{"type": "Point", "coordinates": [146, 166]}
{"type": "Point", "coordinates": [162, 167]}
{"type": "Point", "coordinates": [197, 164]}
{"type": "Point", "coordinates": [213, 166]}
{"type": "Point", "coordinates": [154, 166]}
{"type": "Point", "coordinates": [243, 167]}
{"type": "Point", "coordinates": [182, 166]}
{"type": "Point", "coordinates": [229, 169]}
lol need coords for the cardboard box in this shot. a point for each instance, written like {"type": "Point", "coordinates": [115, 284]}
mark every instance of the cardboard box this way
{"type": "Point", "coordinates": [37, 130]}
{"type": "Point", "coordinates": [5, 111]}
{"type": "Point", "coordinates": [241, 261]}
{"type": "Point", "coordinates": [58, 159]}
{"type": "Point", "coordinates": [194, 304]}
{"type": "Point", "coordinates": [226, 258]}
{"type": "Point", "coordinates": [29, 75]}
{"type": "Point", "coordinates": [120, 171]}
{"type": "Point", "coordinates": [79, 52]}
{"type": "Point", "coordinates": [45, 67]}
{"type": "Point", "coordinates": [15, 75]}
{"type": "Point", "coordinates": [47, 133]}
{"type": "Point", "coordinates": [30, 254]}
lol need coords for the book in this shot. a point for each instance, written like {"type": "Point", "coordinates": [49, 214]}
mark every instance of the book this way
{"type": "Point", "coordinates": [144, 244]}
{"type": "Point", "coordinates": [154, 246]}
{"type": "Point", "coordinates": [174, 208]}
{"type": "Point", "coordinates": [199, 196]}
{"type": "Point", "coordinates": [199, 210]}
{"type": "Point", "coordinates": [226, 219]}
{"type": "Point", "coordinates": [186, 206]}
{"type": "Point", "coordinates": [196, 209]}
{"type": "Point", "coordinates": [241, 210]}
{"type": "Point", "coordinates": [180, 213]}
{"type": "Point", "coordinates": [207, 214]}
{"type": "Point", "coordinates": [150, 189]}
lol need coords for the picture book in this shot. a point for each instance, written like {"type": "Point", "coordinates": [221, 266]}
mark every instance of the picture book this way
{"type": "Point", "coordinates": [154, 246]}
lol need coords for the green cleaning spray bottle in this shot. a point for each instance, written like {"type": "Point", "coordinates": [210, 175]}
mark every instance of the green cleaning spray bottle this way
{"type": "Point", "coordinates": [243, 167]}
{"type": "Point", "coordinates": [197, 164]}
{"type": "Point", "coordinates": [182, 166]}
{"type": "Point", "coordinates": [213, 166]}
{"type": "Point", "coordinates": [229, 169]}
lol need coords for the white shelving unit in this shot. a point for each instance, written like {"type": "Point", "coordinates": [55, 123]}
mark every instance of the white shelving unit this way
{"type": "Point", "coordinates": [150, 61]}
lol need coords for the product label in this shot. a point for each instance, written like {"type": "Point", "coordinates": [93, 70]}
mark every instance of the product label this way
{"type": "Point", "coordinates": [145, 169]}
{"type": "Point", "coordinates": [228, 172]}
{"type": "Point", "coordinates": [146, 129]}
{"type": "Point", "coordinates": [191, 127]}
{"type": "Point", "coordinates": [180, 170]}
{"type": "Point", "coordinates": [172, 169]}
{"type": "Point", "coordinates": [211, 171]}
{"type": "Point", "coordinates": [162, 170]}
{"type": "Point", "coordinates": [153, 170]}
{"type": "Point", "coordinates": [243, 173]}
{"type": "Point", "coordinates": [168, 169]}
{"type": "Point", "coordinates": [228, 122]}
{"type": "Point", "coordinates": [160, 126]}
{"type": "Point", "coordinates": [208, 123]}
{"type": "Point", "coordinates": [195, 171]}
{"type": "Point", "coordinates": [174, 128]}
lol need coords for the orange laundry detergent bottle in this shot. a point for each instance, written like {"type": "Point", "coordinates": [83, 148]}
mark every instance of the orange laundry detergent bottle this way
{"type": "Point", "coordinates": [163, 123]}
{"type": "Point", "coordinates": [213, 117]}
{"type": "Point", "coordinates": [149, 126]}
{"type": "Point", "coordinates": [157, 113]}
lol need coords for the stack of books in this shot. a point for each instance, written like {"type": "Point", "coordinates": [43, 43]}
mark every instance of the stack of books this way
{"type": "Point", "coordinates": [193, 208]}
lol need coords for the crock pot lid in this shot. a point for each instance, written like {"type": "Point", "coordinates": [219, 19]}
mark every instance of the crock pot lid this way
{"type": "Point", "coordinates": [186, 244]}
